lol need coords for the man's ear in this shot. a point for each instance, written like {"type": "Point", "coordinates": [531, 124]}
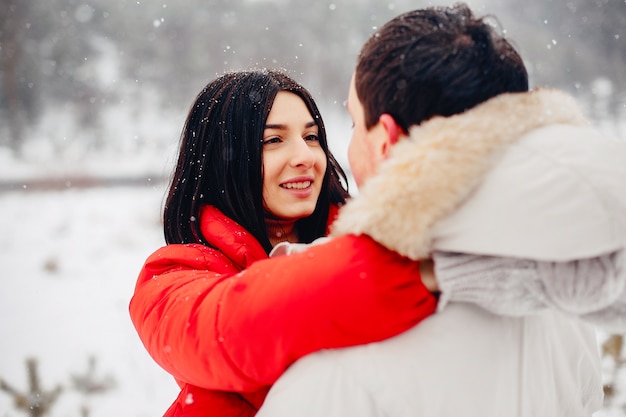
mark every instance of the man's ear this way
{"type": "Point", "coordinates": [393, 132]}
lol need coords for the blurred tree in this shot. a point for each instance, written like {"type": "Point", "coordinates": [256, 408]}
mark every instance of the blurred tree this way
{"type": "Point", "coordinates": [572, 44]}
{"type": "Point", "coordinates": [53, 54]}
{"type": "Point", "coordinates": [36, 402]}
{"type": "Point", "coordinates": [43, 45]}
{"type": "Point", "coordinates": [13, 101]}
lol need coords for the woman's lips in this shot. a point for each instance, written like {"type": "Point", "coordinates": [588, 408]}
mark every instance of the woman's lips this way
{"type": "Point", "coordinates": [298, 185]}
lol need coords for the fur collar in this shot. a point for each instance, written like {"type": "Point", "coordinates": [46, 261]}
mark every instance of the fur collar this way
{"type": "Point", "coordinates": [431, 173]}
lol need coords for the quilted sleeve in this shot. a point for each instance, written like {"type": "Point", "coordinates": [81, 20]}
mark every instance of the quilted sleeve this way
{"type": "Point", "coordinates": [240, 332]}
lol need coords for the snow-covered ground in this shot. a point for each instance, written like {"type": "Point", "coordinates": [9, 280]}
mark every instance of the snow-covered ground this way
{"type": "Point", "coordinates": [69, 263]}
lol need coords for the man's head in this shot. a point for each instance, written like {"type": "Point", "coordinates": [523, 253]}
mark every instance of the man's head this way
{"type": "Point", "coordinates": [429, 62]}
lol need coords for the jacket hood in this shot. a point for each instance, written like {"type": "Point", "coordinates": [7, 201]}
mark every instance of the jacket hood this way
{"type": "Point", "coordinates": [520, 175]}
{"type": "Point", "coordinates": [229, 237]}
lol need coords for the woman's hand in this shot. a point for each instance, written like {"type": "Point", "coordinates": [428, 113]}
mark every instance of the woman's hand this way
{"type": "Point", "coordinates": [427, 271]}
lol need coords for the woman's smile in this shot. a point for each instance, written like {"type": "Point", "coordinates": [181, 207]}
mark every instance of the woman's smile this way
{"type": "Point", "coordinates": [298, 184]}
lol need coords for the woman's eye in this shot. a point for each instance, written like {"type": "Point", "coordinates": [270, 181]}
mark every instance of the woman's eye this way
{"type": "Point", "coordinates": [269, 141]}
{"type": "Point", "coordinates": [312, 138]}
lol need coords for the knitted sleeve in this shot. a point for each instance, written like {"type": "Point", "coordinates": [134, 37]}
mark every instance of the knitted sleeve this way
{"type": "Point", "coordinates": [593, 289]}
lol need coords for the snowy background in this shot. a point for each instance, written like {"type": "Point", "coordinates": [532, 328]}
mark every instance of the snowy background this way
{"type": "Point", "coordinates": [69, 259]}
{"type": "Point", "coordinates": [92, 100]}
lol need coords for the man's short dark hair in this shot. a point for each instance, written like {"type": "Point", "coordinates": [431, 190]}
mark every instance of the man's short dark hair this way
{"type": "Point", "coordinates": [435, 61]}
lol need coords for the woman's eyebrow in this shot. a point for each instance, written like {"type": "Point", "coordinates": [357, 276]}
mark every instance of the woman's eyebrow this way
{"type": "Point", "coordinates": [283, 126]}
{"type": "Point", "coordinates": [275, 126]}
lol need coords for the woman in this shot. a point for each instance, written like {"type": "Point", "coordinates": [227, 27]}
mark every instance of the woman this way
{"type": "Point", "coordinates": [211, 308]}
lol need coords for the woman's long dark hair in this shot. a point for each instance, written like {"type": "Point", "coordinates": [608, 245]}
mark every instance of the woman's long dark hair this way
{"type": "Point", "coordinates": [219, 161]}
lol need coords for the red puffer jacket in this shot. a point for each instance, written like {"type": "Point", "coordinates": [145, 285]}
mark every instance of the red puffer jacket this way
{"type": "Point", "coordinates": [227, 322]}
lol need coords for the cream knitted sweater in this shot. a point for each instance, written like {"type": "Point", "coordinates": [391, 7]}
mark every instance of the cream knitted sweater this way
{"type": "Point", "coordinates": [593, 289]}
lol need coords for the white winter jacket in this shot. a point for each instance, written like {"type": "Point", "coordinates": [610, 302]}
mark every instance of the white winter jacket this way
{"type": "Point", "coordinates": [464, 361]}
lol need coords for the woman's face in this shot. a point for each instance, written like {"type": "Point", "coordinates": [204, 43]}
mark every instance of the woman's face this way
{"type": "Point", "coordinates": [294, 162]}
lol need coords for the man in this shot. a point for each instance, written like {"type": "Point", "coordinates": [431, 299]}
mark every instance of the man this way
{"type": "Point", "coordinates": [509, 191]}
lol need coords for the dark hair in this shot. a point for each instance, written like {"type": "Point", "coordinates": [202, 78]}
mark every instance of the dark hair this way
{"type": "Point", "coordinates": [219, 161]}
{"type": "Point", "coordinates": [434, 61]}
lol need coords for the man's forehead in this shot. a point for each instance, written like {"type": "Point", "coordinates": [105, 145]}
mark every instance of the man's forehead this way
{"type": "Point", "coordinates": [352, 98]}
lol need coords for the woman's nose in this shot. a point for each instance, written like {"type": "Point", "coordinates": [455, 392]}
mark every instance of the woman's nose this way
{"type": "Point", "coordinates": [302, 154]}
